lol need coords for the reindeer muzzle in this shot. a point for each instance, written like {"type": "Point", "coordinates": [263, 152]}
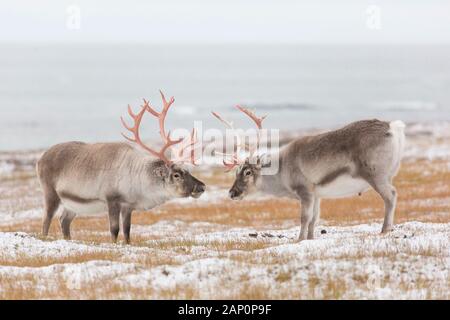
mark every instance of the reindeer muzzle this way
{"type": "Point", "coordinates": [236, 194]}
{"type": "Point", "coordinates": [198, 190]}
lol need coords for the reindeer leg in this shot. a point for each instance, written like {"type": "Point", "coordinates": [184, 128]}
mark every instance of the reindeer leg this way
{"type": "Point", "coordinates": [315, 218]}
{"type": "Point", "coordinates": [51, 204]}
{"type": "Point", "coordinates": [65, 220]}
{"type": "Point", "coordinates": [126, 223]}
{"type": "Point", "coordinates": [114, 219]}
{"type": "Point", "coordinates": [389, 195]}
{"type": "Point", "coordinates": [306, 217]}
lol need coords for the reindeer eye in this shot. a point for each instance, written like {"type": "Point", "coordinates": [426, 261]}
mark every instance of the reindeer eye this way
{"type": "Point", "coordinates": [176, 175]}
{"type": "Point", "coordinates": [248, 172]}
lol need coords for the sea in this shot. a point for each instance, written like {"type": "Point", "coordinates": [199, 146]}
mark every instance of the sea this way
{"type": "Point", "coordinates": [52, 93]}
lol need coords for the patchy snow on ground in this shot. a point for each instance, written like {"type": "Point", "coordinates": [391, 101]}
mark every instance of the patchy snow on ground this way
{"type": "Point", "coordinates": [427, 141]}
{"type": "Point", "coordinates": [9, 218]}
{"type": "Point", "coordinates": [19, 160]}
{"type": "Point", "coordinates": [345, 262]}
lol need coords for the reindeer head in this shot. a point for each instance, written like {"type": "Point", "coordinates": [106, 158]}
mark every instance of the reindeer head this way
{"type": "Point", "coordinates": [248, 174]}
{"type": "Point", "coordinates": [248, 178]}
{"type": "Point", "coordinates": [177, 181]}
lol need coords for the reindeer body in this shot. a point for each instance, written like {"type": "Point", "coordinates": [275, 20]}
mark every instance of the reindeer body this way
{"type": "Point", "coordinates": [345, 162]}
{"type": "Point", "coordinates": [85, 176]}
{"type": "Point", "coordinates": [114, 177]}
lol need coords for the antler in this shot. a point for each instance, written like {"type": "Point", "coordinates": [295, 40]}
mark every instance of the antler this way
{"type": "Point", "coordinates": [258, 121]}
{"type": "Point", "coordinates": [137, 118]}
{"type": "Point", "coordinates": [235, 156]}
{"type": "Point", "coordinates": [188, 146]}
{"type": "Point", "coordinates": [252, 115]}
{"type": "Point", "coordinates": [161, 115]}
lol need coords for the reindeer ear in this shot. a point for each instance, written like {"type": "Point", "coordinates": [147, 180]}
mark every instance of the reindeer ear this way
{"type": "Point", "coordinates": [264, 160]}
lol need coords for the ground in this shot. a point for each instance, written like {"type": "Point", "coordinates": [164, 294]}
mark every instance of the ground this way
{"type": "Point", "coordinates": [216, 248]}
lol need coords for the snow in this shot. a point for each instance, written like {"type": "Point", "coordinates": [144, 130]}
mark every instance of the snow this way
{"type": "Point", "coordinates": [9, 218]}
{"type": "Point", "coordinates": [427, 141]}
{"type": "Point", "coordinates": [412, 253]}
{"type": "Point", "coordinates": [12, 161]}
{"type": "Point", "coordinates": [6, 167]}
{"type": "Point", "coordinates": [430, 152]}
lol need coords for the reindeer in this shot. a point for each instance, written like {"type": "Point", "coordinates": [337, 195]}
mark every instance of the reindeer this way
{"type": "Point", "coordinates": [114, 177]}
{"type": "Point", "coordinates": [345, 162]}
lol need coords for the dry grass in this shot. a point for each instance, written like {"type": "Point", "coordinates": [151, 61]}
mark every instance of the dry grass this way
{"type": "Point", "coordinates": [330, 288]}
{"type": "Point", "coordinates": [424, 192]}
{"type": "Point", "coordinates": [23, 260]}
{"type": "Point", "coordinates": [58, 289]}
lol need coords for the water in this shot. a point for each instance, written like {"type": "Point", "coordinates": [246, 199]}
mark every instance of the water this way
{"type": "Point", "coordinates": [51, 94]}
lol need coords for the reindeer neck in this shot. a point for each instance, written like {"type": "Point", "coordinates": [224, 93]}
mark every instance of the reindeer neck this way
{"type": "Point", "coordinates": [273, 183]}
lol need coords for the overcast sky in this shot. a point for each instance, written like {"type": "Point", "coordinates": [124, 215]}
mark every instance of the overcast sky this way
{"type": "Point", "coordinates": [230, 21]}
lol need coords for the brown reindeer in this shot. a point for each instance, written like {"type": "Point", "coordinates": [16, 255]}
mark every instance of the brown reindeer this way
{"type": "Point", "coordinates": [115, 177]}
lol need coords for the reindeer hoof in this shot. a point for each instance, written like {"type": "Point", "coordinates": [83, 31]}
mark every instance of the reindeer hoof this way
{"type": "Point", "coordinates": [386, 230]}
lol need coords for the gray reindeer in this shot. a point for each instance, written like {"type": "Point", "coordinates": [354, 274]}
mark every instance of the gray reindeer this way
{"type": "Point", "coordinates": [114, 177]}
{"type": "Point", "coordinates": [339, 163]}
